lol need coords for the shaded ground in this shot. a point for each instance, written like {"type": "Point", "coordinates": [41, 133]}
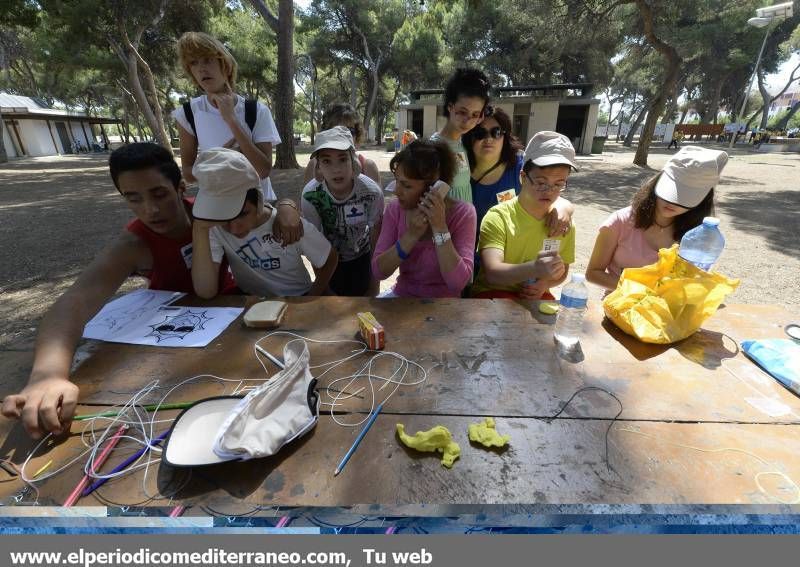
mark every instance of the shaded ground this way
{"type": "Point", "coordinates": [56, 213]}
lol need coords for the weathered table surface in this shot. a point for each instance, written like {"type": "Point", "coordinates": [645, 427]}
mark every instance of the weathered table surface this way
{"type": "Point", "coordinates": [700, 423]}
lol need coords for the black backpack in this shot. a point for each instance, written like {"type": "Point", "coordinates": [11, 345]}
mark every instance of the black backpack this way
{"type": "Point", "coordinates": [250, 113]}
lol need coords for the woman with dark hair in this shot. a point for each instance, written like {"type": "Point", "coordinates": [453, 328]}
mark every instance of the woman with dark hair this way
{"type": "Point", "coordinates": [343, 114]}
{"type": "Point", "coordinates": [495, 160]}
{"type": "Point", "coordinates": [428, 235]}
{"type": "Point", "coordinates": [664, 208]}
{"type": "Point", "coordinates": [466, 97]}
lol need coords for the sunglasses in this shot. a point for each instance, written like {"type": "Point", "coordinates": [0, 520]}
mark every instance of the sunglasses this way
{"type": "Point", "coordinates": [479, 133]}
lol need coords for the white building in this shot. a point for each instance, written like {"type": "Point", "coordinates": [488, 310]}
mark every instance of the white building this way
{"type": "Point", "coordinates": [30, 128]}
{"type": "Point", "coordinates": [566, 108]}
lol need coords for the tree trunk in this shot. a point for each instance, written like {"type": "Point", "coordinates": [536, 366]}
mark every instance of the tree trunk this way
{"type": "Point", "coordinates": [634, 126]}
{"type": "Point", "coordinates": [673, 61]}
{"type": "Point", "coordinates": [3, 154]}
{"type": "Point", "coordinates": [767, 98]}
{"type": "Point", "coordinates": [782, 125]}
{"type": "Point", "coordinates": [283, 26]}
{"type": "Point", "coordinates": [713, 106]}
{"type": "Point", "coordinates": [353, 86]}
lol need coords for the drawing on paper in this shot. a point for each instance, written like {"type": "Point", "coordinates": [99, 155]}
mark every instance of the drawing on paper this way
{"type": "Point", "coordinates": [179, 326]}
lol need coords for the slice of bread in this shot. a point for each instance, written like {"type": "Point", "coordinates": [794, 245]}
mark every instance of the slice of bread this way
{"type": "Point", "coordinates": [265, 314]}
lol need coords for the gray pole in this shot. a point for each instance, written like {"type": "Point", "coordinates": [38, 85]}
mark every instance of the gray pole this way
{"type": "Point", "coordinates": [749, 88]}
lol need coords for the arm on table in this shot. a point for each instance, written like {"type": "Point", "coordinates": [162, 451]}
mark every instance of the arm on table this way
{"type": "Point", "coordinates": [604, 247]}
{"type": "Point", "coordinates": [47, 403]}
{"type": "Point", "coordinates": [548, 266]}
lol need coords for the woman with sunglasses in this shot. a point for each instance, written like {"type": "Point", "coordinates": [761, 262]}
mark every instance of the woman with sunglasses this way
{"type": "Point", "coordinates": [495, 160]}
{"type": "Point", "coordinates": [343, 114]}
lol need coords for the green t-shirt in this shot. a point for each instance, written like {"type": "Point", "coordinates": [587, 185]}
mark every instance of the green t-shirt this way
{"type": "Point", "coordinates": [520, 236]}
{"type": "Point", "coordinates": [460, 188]}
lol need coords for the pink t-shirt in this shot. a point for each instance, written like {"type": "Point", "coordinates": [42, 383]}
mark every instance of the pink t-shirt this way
{"type": "Point", "coordinates": [632, 250]}
{"type": "Point", "coordinates": [420, 275]}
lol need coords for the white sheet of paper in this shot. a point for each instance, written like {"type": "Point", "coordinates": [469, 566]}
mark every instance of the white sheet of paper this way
{"type": "Point", "coordinates": [144, 317]}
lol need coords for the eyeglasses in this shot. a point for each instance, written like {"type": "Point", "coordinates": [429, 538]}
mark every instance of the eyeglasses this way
{"type": "Point", "coordinates": [479, 133]}
{"type": "Point", "coordinates": [544, 187]}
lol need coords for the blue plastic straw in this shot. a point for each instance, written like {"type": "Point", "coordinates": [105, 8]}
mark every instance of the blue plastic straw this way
{"type": "Point", "coordinates": [124, 464]}
{"type": "Point", "coordinates": [352, 450]}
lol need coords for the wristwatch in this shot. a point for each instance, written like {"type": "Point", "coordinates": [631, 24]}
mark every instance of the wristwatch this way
{"type": "Point", "coordinates": [440, 238]}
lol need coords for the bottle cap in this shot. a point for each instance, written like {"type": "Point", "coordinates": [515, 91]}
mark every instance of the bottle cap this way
{"type": "Point", "coordinates": [578, 278]}
{"type": "Point", "coordinates": [711, 221]}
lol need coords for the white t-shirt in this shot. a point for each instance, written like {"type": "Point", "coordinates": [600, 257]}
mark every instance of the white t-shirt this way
{"type": "Point", "coordinates": [213, 132]}
{"type": "Point", "coordinates": [346, 223]}
{"type": "Point", "coordinates": [261, 265]}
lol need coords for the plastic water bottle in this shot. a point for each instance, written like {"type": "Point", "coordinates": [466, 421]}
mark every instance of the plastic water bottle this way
{"type": "Point", "coordinates": [703, 244]}
{"type": "Point", "coordinates": [570, 314]}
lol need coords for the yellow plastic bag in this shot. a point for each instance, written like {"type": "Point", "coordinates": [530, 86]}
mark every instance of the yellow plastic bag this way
{"type": "Point", "coordinates": [666, 301]}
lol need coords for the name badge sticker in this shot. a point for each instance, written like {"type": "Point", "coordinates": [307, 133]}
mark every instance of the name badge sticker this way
{"type": "Point", "coordinates": [506, 195]}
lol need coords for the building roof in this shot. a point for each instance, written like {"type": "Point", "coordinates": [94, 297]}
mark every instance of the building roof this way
{"type": "Point", "coordinates": [582, 90]}
{"type": "Point", "coordinates": [17, 106]}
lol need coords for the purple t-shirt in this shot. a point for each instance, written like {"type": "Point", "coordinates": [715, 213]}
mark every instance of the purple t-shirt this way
{"type": "Point", "coordinates": [420, 275]}
{"type": "Point", "coordinates": [632, 250]}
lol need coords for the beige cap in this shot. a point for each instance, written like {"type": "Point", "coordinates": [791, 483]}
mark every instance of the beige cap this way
{"type": "Point", "coordinates": [689, 175]}
{"type": "Point", "coordinates": [336, 138]}
{"type": "Point", "coordinates": [550, 148]}
{"type": "Point", "coordinates": [224, 176]}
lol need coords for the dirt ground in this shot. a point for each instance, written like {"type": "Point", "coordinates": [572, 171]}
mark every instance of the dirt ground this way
{"type": "Point", "coordinates": [56, 213]}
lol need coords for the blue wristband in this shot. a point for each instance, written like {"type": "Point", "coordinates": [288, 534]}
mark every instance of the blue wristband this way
{"type": "Point", "coordinates": [400, 252]}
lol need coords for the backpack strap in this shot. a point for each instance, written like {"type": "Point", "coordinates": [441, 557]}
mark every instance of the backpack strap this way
{"type": "Point", "coordinates": [251, 112]}
{"type": "Point", "coordinates": [187, 111]}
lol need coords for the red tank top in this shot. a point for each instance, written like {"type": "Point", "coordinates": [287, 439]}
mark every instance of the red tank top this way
{"type": "Point", "coordinates": [172, 259]}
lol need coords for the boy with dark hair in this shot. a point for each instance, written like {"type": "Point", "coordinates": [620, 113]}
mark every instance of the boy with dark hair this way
{"type": "Point", "coordinates": [232, 222]}
{"type": "Point", "coordinates": [156, 245]}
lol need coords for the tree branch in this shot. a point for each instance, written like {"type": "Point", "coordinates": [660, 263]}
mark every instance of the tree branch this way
{"type": "Point", "coordinates": [266, 13]}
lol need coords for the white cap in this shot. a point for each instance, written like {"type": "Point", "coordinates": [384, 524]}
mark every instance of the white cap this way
{"type": "Point", "coordinates": [689, 175]}
{"type": "Point", "coordinates": [227, 428]}
{"type": "Point", "coordinates": [550, 148]}
{"type": "Point", "coordinates": [336, 138]}
{"type": "Point", "coordinates": [224, 176]}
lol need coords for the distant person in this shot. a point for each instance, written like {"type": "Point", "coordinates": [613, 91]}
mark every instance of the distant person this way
{"type": "Point", "coordinates": [426, 235]}
{"type": "Point", "coordinates": [466, 97]}
{"type": "Point", "coordinates": [664, 208]}
{"type": "Point", "coordinates": [157, 245]}
{"type": "Point", "coordinates": [222, 118]}
{"type": "Point", "coordinates": [343, 114]}
{"type": "Point", "coordinates": [677, 138]}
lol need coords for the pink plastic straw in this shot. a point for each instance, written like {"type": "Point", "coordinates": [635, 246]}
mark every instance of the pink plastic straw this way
{"type": "Point", "coordinates": [177, 511]}
{"type": "Point", "coordinates": [282, 523]}
{"type": "Point", "coordinates": [75, 494]}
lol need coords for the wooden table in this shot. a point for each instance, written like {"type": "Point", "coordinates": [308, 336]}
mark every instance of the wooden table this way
{"type": "Point", "coordinates": [700, 423]}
